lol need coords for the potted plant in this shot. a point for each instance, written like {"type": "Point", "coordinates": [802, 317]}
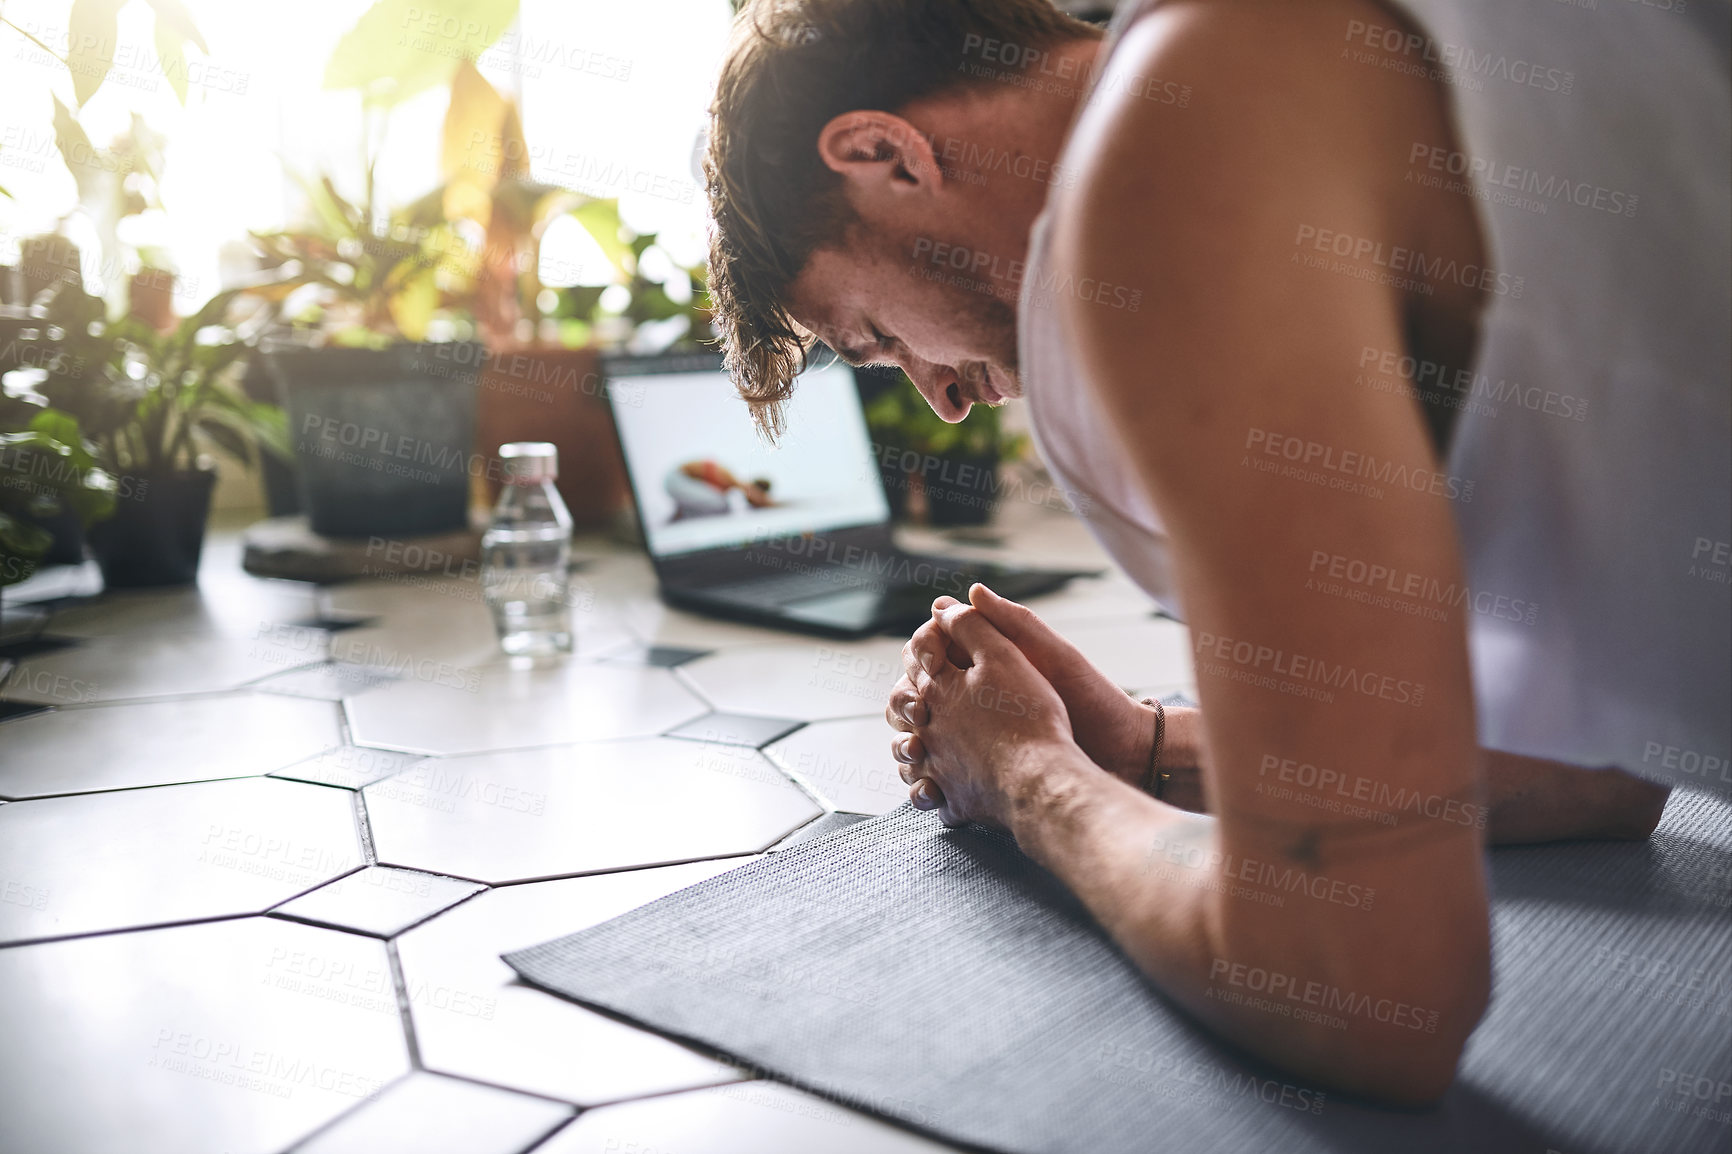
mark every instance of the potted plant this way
{"type": "Point", "coordinates": [382, 422]}
{"type": "Point", "coordinates": [381, 417]}
{"type": "Point", "coordinates": [152, 401]}
{"type": "Point", "coordinates": [952, 470]}
{"type": "Point", "coordinates": [48, 475]}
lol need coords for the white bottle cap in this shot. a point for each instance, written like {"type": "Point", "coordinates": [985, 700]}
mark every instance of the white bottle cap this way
{"type": "Point", "coordinates": [529, 462]}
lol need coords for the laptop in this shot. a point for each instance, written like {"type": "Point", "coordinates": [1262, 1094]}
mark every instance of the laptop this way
{"type": "Point", "coordinates": [795, 536]}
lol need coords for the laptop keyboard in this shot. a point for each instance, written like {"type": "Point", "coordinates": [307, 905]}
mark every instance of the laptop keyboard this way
{"type": "Point", "coordinates": [787, 588]}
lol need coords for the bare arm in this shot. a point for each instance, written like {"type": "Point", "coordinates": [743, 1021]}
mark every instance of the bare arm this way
{"type": "Point", "coordinates": [1237, 347]}
{"type": "Point", "coordinates": [1528, 800]}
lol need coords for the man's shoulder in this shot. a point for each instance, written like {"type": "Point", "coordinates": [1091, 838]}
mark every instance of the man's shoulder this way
{"type": "Point", "coordinates": [1241, 80]}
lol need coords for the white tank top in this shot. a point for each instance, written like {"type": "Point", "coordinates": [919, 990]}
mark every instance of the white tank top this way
{"type": "Point", "coordinates": [1596, 423]}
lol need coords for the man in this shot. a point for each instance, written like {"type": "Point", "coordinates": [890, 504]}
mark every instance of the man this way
{"type": "Point", "coordinates": [1389, 345]}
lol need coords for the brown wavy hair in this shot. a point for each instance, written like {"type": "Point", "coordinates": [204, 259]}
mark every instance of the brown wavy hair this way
{"type": "Point", "coordinates": [791, 67]}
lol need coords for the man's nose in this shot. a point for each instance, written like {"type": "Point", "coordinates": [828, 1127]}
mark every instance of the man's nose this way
{"type": "Point", "coordinates": [934, 381]}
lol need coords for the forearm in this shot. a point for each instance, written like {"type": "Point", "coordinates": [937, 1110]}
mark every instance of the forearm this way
{"type": "Point", "coordinates": [1533, 800]}
{"type": "Point", "coordinates": [1159, 882]}
{"type": "Point", "coordinates": [1528, 799]}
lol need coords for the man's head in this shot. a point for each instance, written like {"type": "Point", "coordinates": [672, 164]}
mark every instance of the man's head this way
{"type": "Point", "coordinates": [870, 178]}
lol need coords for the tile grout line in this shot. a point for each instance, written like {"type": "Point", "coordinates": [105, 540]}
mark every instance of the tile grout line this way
{"type": "Point", "coordinates": [401, 986]}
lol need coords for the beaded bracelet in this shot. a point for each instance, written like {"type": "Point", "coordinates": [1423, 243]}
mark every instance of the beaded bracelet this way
{"type": "Point", "coordinates": [1150, 777]}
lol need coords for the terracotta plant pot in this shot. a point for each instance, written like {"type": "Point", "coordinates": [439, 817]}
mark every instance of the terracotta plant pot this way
{"type": "Point", "coordinates": [156, 535]}
{"type": "Point", "coordinates": [530, 393]}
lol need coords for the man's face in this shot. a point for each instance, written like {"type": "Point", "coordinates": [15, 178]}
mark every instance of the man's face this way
{"type": "Point", "coordinates": [902, 302]}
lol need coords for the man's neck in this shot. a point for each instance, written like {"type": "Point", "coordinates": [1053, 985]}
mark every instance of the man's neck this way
{"type": "Point", "coordinates": [1001, 138]}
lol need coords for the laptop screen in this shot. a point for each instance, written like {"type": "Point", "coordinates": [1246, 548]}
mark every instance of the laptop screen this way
{"type": "Point", "coordinates": [704, 479]}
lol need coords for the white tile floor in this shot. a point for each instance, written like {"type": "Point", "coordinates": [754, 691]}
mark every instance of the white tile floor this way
{"type": "Point", "coordinates": [253, 901]}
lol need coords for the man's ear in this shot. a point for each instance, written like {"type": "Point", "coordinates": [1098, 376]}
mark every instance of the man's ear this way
{"type": "Point", "coordinates": [880, 148]}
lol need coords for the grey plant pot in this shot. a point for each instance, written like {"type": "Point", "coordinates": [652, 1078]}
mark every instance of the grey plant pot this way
{"type": "Point", "coordinates": [384, 438]}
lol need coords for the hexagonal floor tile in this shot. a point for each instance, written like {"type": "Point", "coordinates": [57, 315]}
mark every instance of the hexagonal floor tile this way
{"type": "Point", "coordinates": [233, 608]}
{"type": "Point", "coordinates": [160, 742]}
{"type": "Point", "coordinates": [508, 706]}
{"type": "Point", "coordinates": [379, 901]}
{"type": "Point", "coordinates": [141, 857]}
{"type": "Point", "coordinates": [541, 813]}
{"type": "Point", "coordinates": [237, 1036]}
{"type": "Point", "coordinates": [166, 664]}
{"type": "Point", "coordinates": [745, 1118]}
{"type": "Point", "coordinates": [349, 766]}
{"type": "Point", "coordinates": [736, 729]}
{"type": "Point", "coordinates": [813, 681]}
{"type": "Point", "coordinates": [474, 1018]}
{"type": "Point", "coordinates": [444, 619]}
{"type": "Point", "coordinates": [847, 763]}
{"type": "Point", "coordinates": [330, 681]}
{"type": "Point", "coordinates": [430, 1114]}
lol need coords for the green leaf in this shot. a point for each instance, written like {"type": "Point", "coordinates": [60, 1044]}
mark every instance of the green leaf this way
{"type": "Point", "coordinates": [90, 45]}
{"type": "Point", "coordinates": [398, 49]}
{"type": "Point", "coordinates": [22, 539]}
{"type": "Point", "coordinates": [600, 218]}
{"type": "Point", "coordinates": [170, 58]}
{"type": "Point", "coordinates": [227, 438]}
{"type": "Point", "coordinates": [174, 14]}
{"type": "Point", "coordinates": [76, 150]}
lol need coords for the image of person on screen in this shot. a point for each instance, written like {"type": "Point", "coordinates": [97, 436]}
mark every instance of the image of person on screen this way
{"type": "Point", "coordinates": [708, 489]}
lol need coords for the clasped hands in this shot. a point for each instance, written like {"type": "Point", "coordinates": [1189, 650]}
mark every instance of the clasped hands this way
{"type": "Point", "coordinates": [993, 703]}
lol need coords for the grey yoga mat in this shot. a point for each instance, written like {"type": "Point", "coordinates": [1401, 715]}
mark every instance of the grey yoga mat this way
{"type": "Point", "coordinates": [940, 979]}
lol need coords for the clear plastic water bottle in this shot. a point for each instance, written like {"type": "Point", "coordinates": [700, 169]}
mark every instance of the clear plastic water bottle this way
{"type": "Point", "coordinates": [526, 554]}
